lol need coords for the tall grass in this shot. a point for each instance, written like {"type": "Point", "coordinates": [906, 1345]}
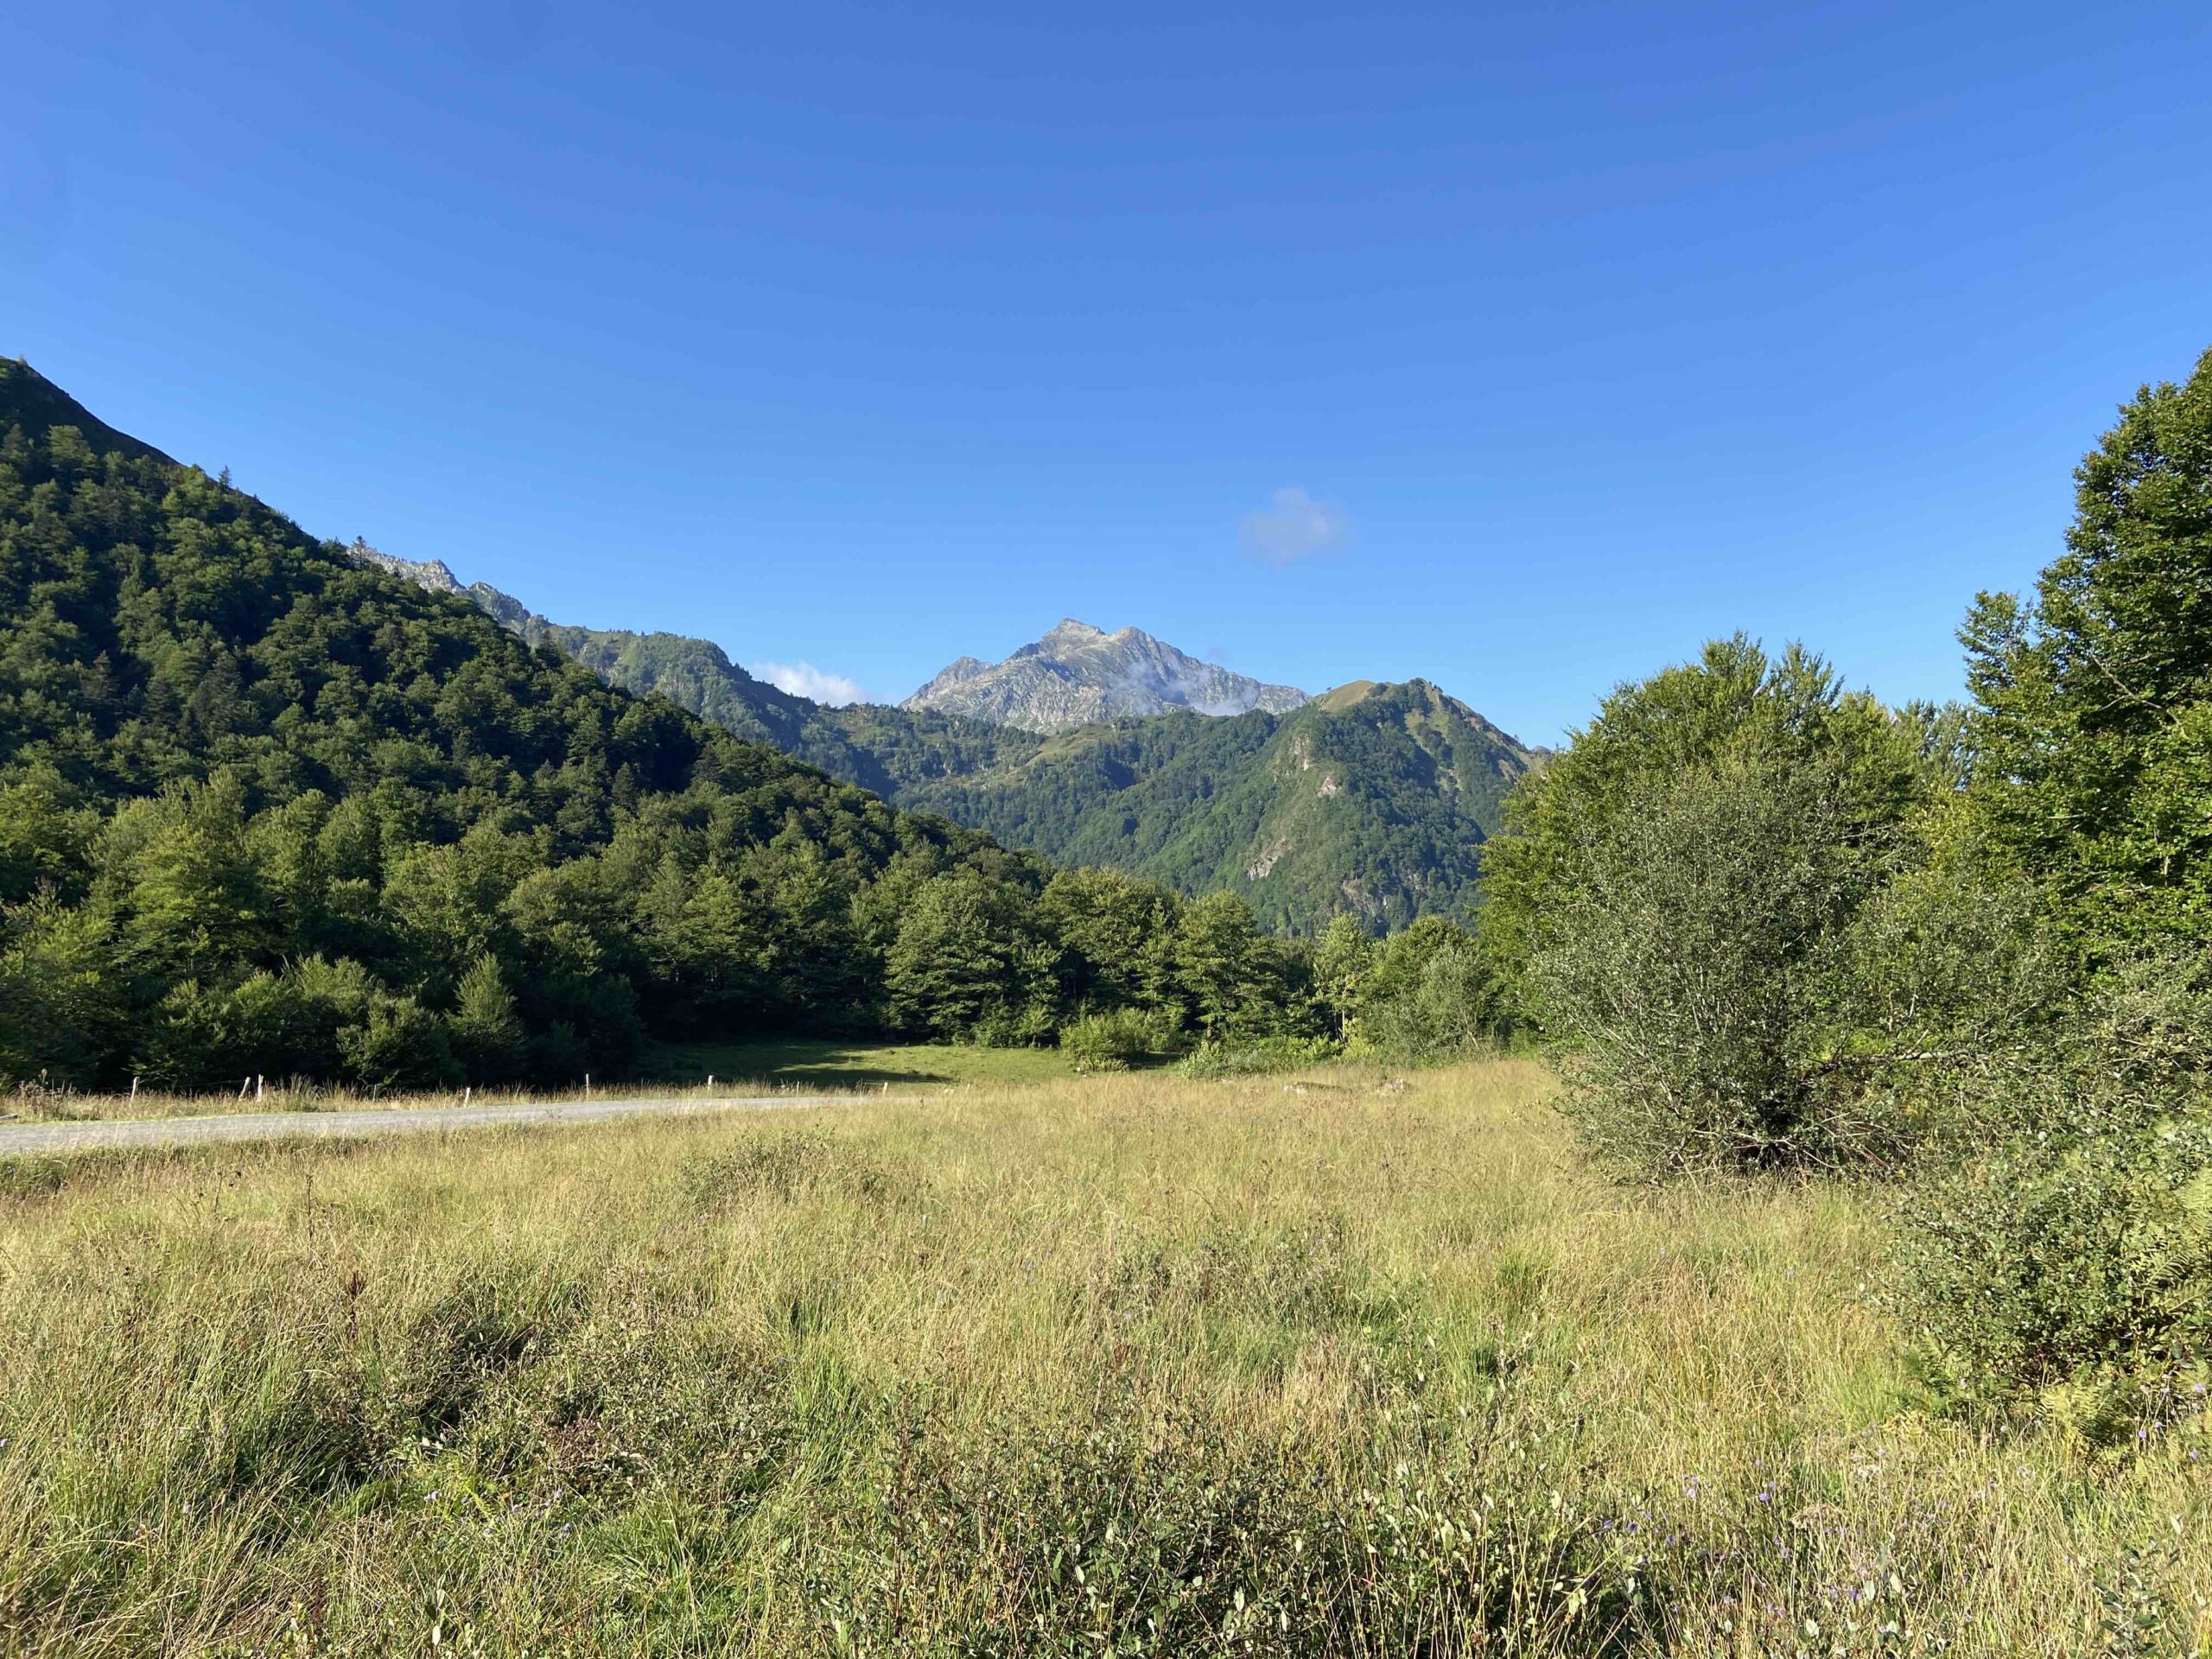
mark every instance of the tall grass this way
{"type": "Point", "coordinates": [1131, 1365]}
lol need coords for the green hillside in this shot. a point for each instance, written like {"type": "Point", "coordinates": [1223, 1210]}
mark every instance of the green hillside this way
{"type": "Point", "coordinates": [1372, 801]}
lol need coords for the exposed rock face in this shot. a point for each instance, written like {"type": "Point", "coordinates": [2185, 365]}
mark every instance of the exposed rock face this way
{"type": "Point", "coordinates": [432, 573]}
{"type": "Point", "coordinates": [1078, 675]}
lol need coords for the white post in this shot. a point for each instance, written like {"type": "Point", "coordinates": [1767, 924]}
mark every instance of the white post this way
{"type": "Point", "coordinates": [586, 1085]}
{"type": "Point", "coordinates": [245, 1084]}
{"type": "Point", "coordinates": [134, 1088]}
{"type": "Point", "coordinates": [710, 1080]}
{"type": "Point", "coordinates": [466, 1093]}
{"type": "Point", "coordinates": [257, 1081]}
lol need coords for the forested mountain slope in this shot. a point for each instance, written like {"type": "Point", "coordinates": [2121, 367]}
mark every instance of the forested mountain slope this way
{"type": "Point", "coordinates": [1371, 801]}
{"type": "Point", "coordinates": [263, 807]}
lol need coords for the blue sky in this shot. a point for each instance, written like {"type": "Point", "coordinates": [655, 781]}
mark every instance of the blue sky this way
{"type": "Point", "coordinates": [1521, 347]}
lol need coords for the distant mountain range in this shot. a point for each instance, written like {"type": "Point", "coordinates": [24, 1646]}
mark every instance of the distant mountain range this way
{"type": "Point", "coordinates": [1078, 675]}
{"type": "Point", "coordinates": [1092, 747]}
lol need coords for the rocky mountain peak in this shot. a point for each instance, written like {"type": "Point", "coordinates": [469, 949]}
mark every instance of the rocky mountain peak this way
{"type": "Point", "coordinates": [1076, 675]}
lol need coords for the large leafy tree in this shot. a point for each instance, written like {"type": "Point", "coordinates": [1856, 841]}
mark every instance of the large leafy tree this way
{"type": "Point", "coordinates": [1734, 705]}
{"type": "Point", "coordinates": [1735, 898]}
{"type": "Point", "coordinates": [2094, 718]}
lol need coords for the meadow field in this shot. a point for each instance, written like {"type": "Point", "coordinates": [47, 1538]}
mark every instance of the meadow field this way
{"type": "Point", "coordinates": [1341, 1363]}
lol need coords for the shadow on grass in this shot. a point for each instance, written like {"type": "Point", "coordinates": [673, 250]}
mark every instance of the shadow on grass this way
{"type": "Point", "coordinates": [824, 1063]}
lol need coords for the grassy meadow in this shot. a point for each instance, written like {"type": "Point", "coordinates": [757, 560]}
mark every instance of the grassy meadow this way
{"type": "Point", "coordinates": [1133, 1364]}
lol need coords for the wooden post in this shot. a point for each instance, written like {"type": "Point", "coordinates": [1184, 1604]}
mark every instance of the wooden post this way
{"type": "Point", "coordinates": [257, 1082]}
{"type": "Point", "coordinates": [245, 1084]}
{"type": "Point", "coordinates": [134, 1088]}
{"type": "Point", "coordinates": [586, 1085]}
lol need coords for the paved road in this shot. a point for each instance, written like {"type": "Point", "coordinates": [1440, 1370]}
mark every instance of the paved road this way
{"type": "Point", "coordinates": [291, 1126]}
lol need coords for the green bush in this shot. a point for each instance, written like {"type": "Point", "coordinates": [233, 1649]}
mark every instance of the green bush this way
{"type": "Point", "coordinates": [1450, 1008]}
{"type": "Point", "coordinates": [2076, 1282]}
{"type": "Point", "coordinates": [1110, 1042]}
{"type": "Point", "coordinates": [1694, 966]}
{"type": "Point", "coordinates": [1258, 1055]}
{"type": "Point", "coordinates": [402, 1045]}
{"type": "Point", "coordinates": [2066, 1270]}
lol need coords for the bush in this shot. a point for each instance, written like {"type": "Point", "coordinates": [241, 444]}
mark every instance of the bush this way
{"type": "Point", "coordinates": [1450, 1008]}
{"type": "Point", "coordinates": [1258, 1055]}
{"type": "Point", "coordinates": [402, 1045]}
{"type": "Point", "coordinates": [2075, 1281]}
{"type": "Point", "coordinates": [1694, 964]}
{"type": "Point", "coordinates": [1108, 1042]}
{"type": "Point", "coordinates": [1030, 1026]}
{"type": "Point", "coordinates": [2067, 1271]}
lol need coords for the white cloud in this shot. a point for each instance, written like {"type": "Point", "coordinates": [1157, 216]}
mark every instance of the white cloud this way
{"type": "Point", "coordinates": [1294, 527]}
{"type": "Point", "coordinates": [805, 680]}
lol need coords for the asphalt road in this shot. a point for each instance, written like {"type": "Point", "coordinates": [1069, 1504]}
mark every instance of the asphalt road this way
{"type": "Point", "coordinates": [18, 1138]}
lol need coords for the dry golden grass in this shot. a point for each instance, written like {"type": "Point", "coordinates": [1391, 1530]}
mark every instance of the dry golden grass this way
{"type": "Point", "coordinates": [1131, 1364]}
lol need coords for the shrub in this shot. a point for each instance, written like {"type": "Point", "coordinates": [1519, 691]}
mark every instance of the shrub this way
{"type": "Point", "coordinates": [1028, 1025]}
{"type": "Point", "coordinates": [1257, 1055]}
{"type": "Point", "coordinates": [2072, 1280]}
{"type": "Point", "coordinates": [401, 1044]}
{"type": "Point", "coordinates": [2066, 1270]}
{"type": "Point", "coordinates": [1450, 1008]}
{"type": "Point", "coordinates": [1108, 1042]}
{"type": "Point", "coordinates": [1693, 964]}
{"type": "Point", "coordinates": [1745, 975]}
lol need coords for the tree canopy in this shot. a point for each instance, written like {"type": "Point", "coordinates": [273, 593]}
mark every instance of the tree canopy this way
{"type": "Point", "coordinates": [2093, 725]}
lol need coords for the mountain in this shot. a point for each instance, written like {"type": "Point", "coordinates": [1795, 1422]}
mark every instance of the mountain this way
{"type": "Point", "coordinates": [1372, 800]}
{"type": "Point", "coordinates": [432, 575]}
{"type": "Point", "coordinates": [887, 750]}
{"type": "Point", "coordinates": [1078, 675]}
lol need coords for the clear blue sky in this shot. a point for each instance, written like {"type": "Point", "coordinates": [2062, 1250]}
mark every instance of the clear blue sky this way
{"type": "Point", "coordinates": [1518, 346]}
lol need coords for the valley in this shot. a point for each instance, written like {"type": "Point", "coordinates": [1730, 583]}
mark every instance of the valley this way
{"type": "Point", "coordinates": [1401, 847]}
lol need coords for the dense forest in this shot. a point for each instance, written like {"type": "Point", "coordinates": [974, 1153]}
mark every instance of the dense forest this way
{"type": "Point", "coordinates": [264, 809]}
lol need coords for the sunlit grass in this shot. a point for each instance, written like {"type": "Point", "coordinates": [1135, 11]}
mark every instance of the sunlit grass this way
{"type": "Point", "coordinates": [1328, 1366]}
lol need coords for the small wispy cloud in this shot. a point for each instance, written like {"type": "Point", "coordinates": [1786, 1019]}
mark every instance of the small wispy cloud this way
{"type": "Point", "coordinates": [805, 680]}
{"type": "Point", "coordinates": [1294, 527]}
